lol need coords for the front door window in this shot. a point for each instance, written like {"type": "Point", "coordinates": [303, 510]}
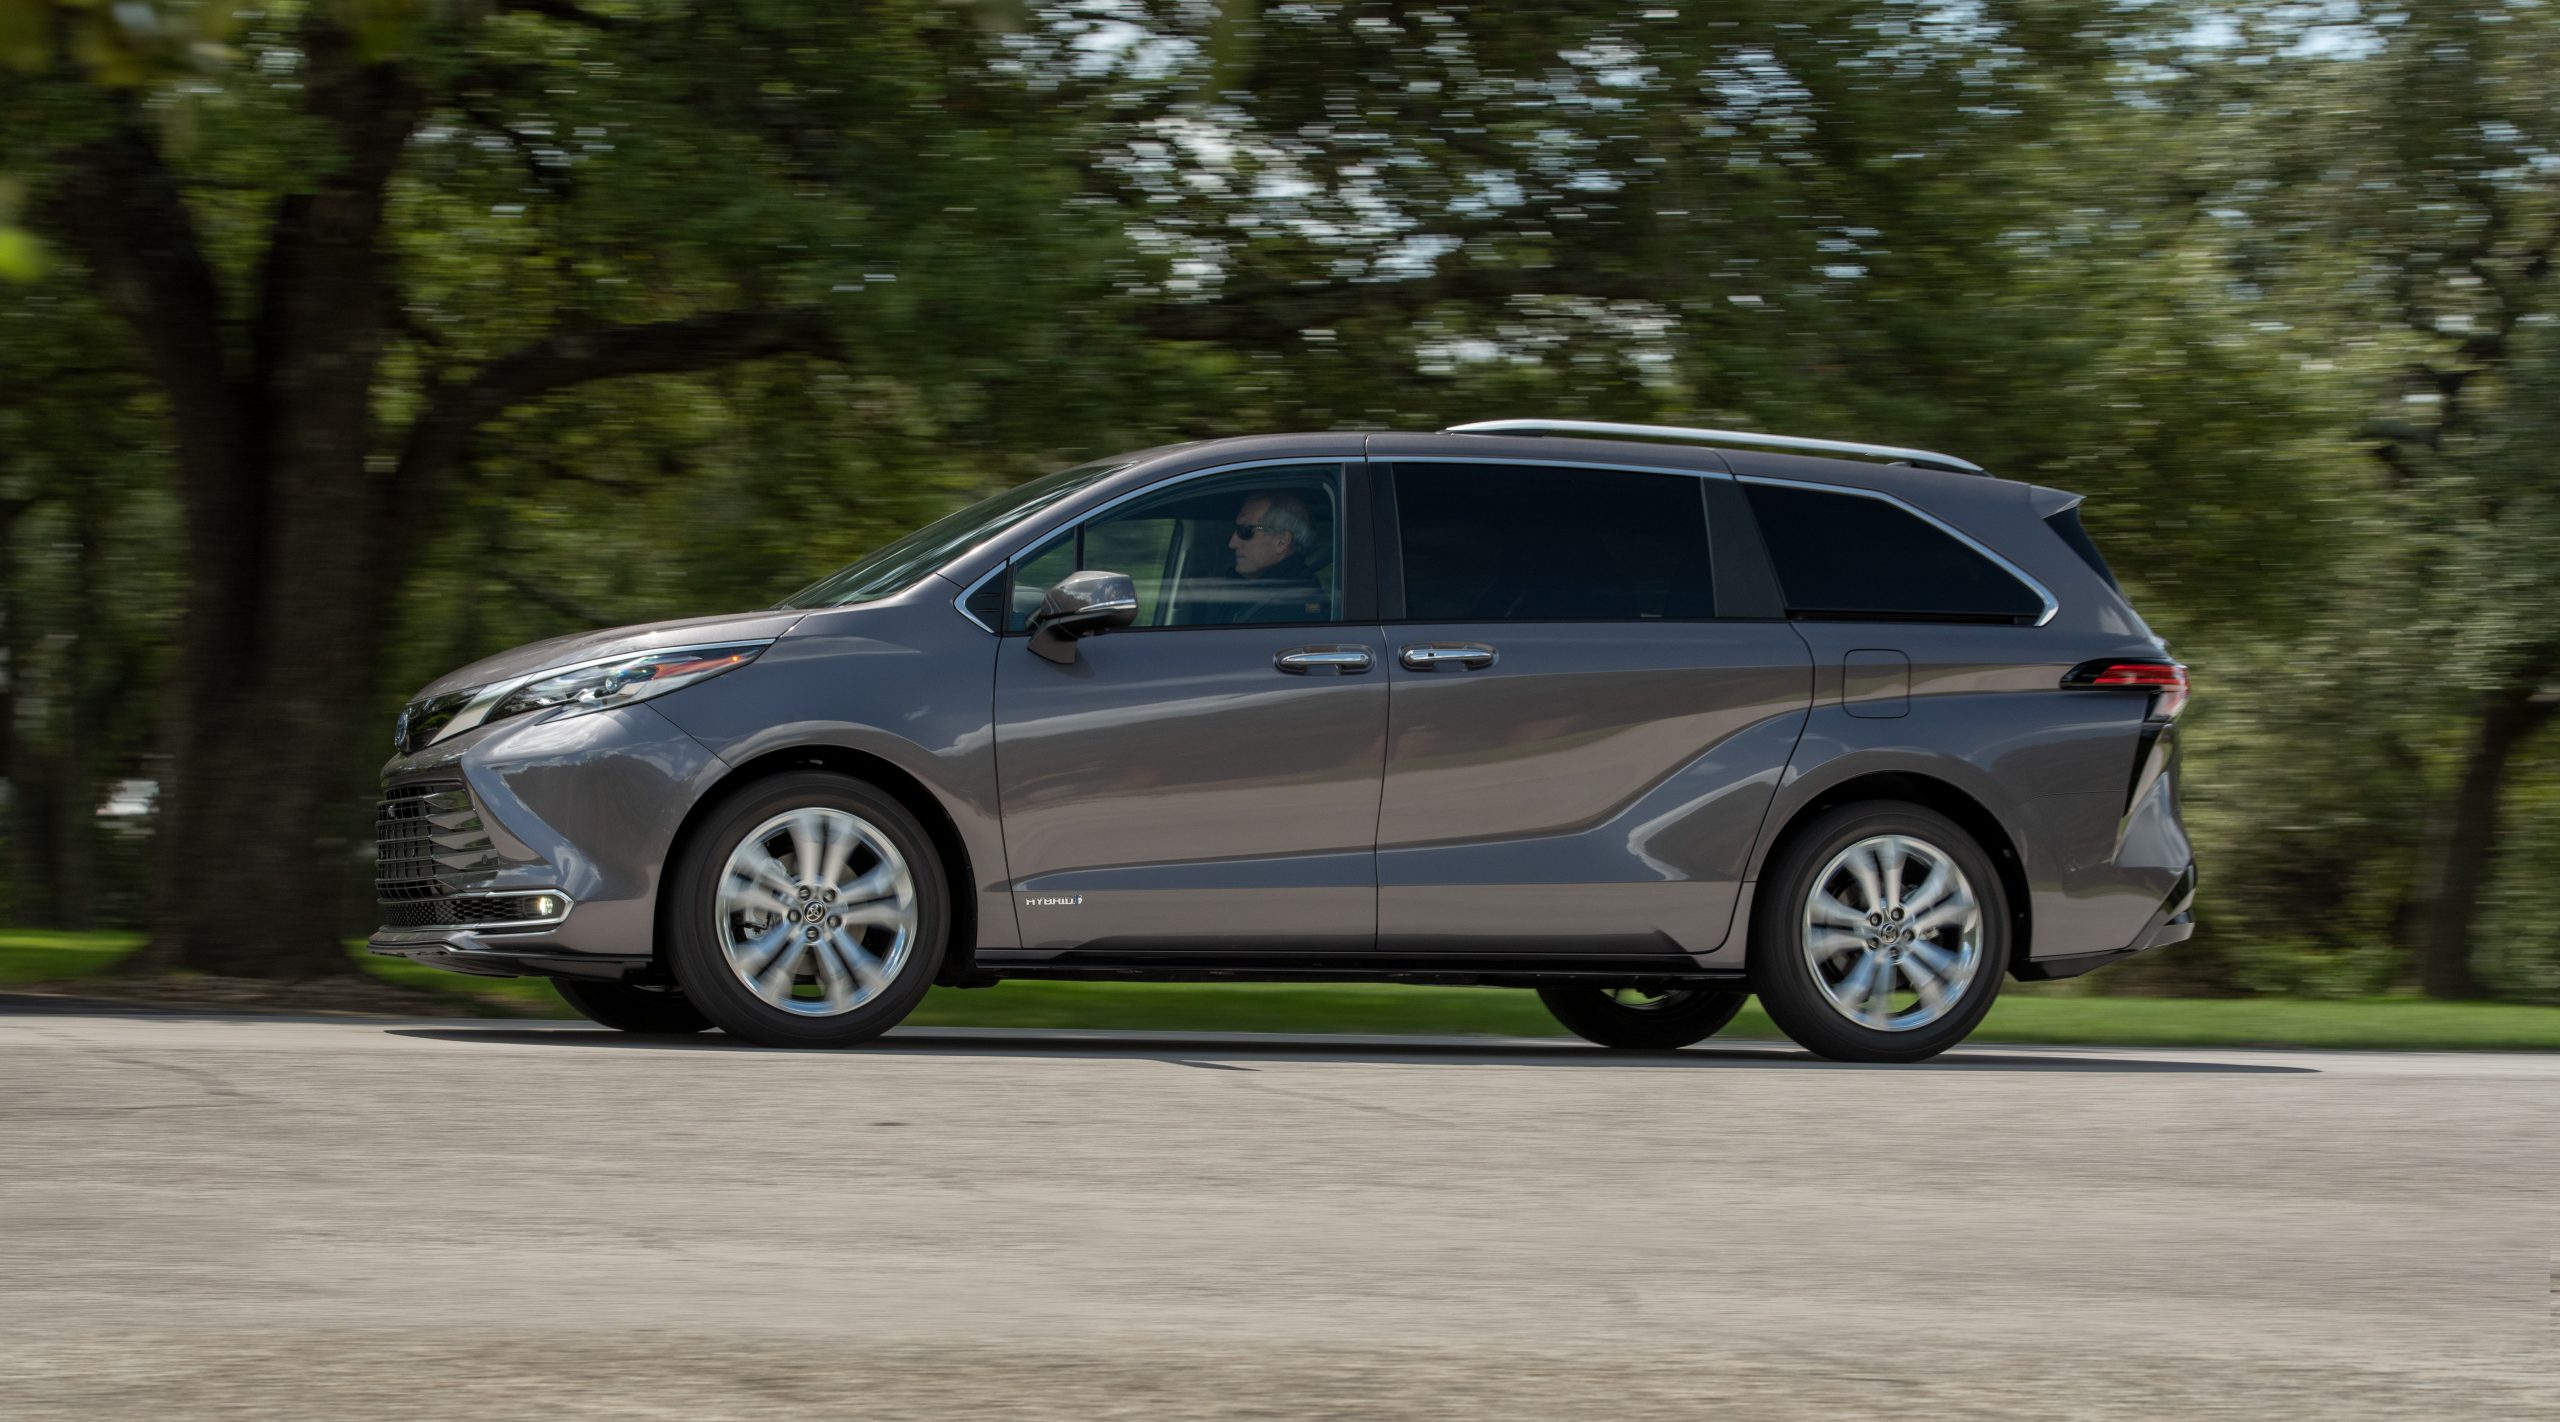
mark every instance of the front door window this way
{"type": "Point", "coordinates": [1256, 548]}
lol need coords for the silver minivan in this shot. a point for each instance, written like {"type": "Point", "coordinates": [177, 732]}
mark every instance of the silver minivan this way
{"type": "Point", "coordinates": [1645, 719]}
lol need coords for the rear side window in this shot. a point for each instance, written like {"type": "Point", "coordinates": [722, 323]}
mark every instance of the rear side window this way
{"type": "Point", "coordinates": [1848, 556]}
{"type": "Point", "coordinates": [1531, 543]}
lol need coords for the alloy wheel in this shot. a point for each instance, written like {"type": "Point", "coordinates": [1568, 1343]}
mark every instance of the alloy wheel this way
{"type": "Point", "coordinates": [816, 912]}
{"type": "Point", "coordinates": [1893, 933]}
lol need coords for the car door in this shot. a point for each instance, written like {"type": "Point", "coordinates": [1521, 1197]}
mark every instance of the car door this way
{"type": "Point", "coordinates": [1580, 749]}
{"type": "Point", "coordinates": [1207, 779]}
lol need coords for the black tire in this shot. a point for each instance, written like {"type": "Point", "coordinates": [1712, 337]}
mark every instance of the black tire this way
{"type": "Point", "coordinates": [1673, 1020]}
{"type": "Point", "coordinates": [691, 931]}
{"type": "Point", "coordinates": [626, 1008]}
{"type": "Point", "coordinates": [1785, 978]}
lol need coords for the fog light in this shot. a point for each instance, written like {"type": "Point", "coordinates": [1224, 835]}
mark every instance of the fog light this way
{"type": "Point", "coordinates": [545, 905]}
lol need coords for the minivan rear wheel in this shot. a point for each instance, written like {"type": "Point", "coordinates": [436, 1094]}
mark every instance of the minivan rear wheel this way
{"type": "Point", "coordinates": [809, 911]}
{"type": "Point", "coordinates": [1639, 1020]}
{"type": "Point", "coordinates": [626, 1007]}
{"type": "Point", "coordinates": [1880, 934]}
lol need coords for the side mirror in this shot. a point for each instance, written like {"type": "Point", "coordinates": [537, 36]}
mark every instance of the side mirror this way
{"type": "Point", "coordinates": [1081, 605]}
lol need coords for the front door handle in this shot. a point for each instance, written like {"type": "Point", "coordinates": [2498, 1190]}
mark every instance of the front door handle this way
{"type": "Point", "coordinates": [1446, 656]}
{"type": "Point", "coordinates": [1324, 661]}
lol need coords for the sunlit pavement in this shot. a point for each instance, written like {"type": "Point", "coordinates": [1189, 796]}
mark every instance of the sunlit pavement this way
{"type": "Point", "coordinates": [232, 1217]}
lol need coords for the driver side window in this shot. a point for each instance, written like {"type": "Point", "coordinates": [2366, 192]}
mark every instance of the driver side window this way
{"type": "Point", "coordinates": [1259, 547]}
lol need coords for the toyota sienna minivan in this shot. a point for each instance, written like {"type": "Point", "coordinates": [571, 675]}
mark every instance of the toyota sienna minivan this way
{"type": "Point", "coordinates": [1646, 719]}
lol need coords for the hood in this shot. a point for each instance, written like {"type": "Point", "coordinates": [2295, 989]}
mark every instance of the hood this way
{"type": "Point", "coordinates": [614, 641]}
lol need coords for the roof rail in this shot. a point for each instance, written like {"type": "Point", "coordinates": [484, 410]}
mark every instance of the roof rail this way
{"type": "Point", "coordinates": [1920, 458]}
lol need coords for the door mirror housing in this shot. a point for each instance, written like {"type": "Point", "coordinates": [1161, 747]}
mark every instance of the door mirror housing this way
{"type": "Point", "coordinates": [1082, 605]}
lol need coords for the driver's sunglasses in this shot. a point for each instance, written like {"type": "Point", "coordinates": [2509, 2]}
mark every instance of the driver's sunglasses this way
{"type": "Point", "coordinates": [1250, 531]}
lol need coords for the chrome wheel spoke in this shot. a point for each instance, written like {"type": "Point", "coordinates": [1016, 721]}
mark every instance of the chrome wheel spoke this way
{"type": "Point", "coordinates": [1890, 856]}
{"type": "Point", "coordinates": [1830, 912]}
{"type": "Point", "coordinates": [833, 980]}
{"type": "Point", "coordinates": [831, 860]}
{"type": "Point", "coordinates": [1958, 909]}
{"type": "Point", "coordinates": [1936, 959]}
{"type": "Point", "coordinates": [1852, 989]}
{"type": "Point", "coordinates": [885, 882]}
{"type": "Point", "coordinates": [1933, 993]}
{"type": "Point", "coordinates": [782, 971]}
{"type": "Point", "coordinates": [758, 953]}
{"type": "Point", "coordinates": [1878, 1007]}
{"type": "Point", "coordinates": [864, 968]}
{"type": "Point", "coordinates": [755, 899]}
{"type": "Point", "coordinates": [1861, 864]}
{"type": "Point", "coordinates": [808, 844]}
{"type": "Point", "coordinates": [1831, 944]}
{"type": "Point", "coordinates": [756, 882]}
{"type": "Point", "coordinates": [1942, 881]}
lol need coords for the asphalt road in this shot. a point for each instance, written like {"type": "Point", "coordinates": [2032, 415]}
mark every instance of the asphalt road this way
{"type": "Point", "coordinates": [236, 1217]}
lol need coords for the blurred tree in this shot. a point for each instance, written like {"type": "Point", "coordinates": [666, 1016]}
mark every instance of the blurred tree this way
{"type": "Point", "coordinates": [2402, 179]}
{"type": "Point", "coordinates": [361, 231]}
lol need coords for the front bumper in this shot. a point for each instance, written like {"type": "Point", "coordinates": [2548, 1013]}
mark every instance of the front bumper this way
{"type": "Point", "coordinates": [503, 955]}
{"type": "Point", "coordinates": [583, 809]}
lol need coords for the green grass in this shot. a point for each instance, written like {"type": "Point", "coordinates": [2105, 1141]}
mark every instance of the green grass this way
{"type": "Point", "coordinates": [2038, 1015]}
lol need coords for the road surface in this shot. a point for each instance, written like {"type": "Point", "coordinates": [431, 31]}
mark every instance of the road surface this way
{"type": "Point", "coordinates": [218, 1217]}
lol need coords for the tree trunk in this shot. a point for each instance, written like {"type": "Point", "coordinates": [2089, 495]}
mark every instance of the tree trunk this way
{"type": "Point", "coordinates": [285, 565]}
{"type": "Point", "coordinates": [298, 525]}
{"type": "Point", "coordinates": [2463, 853]}
{"type": "Point", "coordinates": [75, 744]}
{"type": "Point", "coordinates": [32, 881]}
{"type": "Point", "coordinates": [260, 838]}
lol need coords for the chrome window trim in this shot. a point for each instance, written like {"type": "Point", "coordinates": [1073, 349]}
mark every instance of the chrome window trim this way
{"type": "Point", "coordinates": [1550, 463]}
{"type": "Point", "coordinates": [487, 698]}
{"type": "Point", "coordinates": [962, 601]}
{"type": "Point", "coordinates": [1339, 462]}
{"type": "Point", "coordinates": [2033, 584]}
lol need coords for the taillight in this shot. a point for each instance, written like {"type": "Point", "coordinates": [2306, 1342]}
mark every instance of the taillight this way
{"type": "Point", "coordinates": [2165, 680]}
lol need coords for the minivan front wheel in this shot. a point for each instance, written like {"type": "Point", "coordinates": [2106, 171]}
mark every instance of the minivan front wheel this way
{"type": "Point", "coordinates": [1880, 934]}
{"type": "Point", "coordinates": [1644, 1021]}
{"type": "Point", "coordinates": [810, 911]}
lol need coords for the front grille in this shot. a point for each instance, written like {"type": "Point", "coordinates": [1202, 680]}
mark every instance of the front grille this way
{"type": "Point", "coordinates": [470, 908]}
{"type": "Point", "coordinates": [428, 842]}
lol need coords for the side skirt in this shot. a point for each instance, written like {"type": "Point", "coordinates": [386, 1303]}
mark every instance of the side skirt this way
{"type": "Point", "coordinates": [1660, 972]}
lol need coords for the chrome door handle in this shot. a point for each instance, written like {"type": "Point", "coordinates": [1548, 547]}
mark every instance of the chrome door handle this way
{"type": "Point", "coordinates": [1333, 661]}
{"type": "Point", "coordinates": [1446, 656]}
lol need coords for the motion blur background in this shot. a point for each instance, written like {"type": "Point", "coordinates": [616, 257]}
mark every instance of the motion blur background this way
{"type": "Point", "coordinates": [345, 341]}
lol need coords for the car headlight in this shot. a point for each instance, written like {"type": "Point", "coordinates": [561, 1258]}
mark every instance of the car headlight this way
{"type": "Point", "coordinates": [623, 680]}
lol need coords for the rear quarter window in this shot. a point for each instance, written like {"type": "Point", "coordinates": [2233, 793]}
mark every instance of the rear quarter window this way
{"type": "Point", "coordinates": [1849, 556]}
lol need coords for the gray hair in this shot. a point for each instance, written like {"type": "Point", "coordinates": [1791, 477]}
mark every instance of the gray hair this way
{"type": "Point", "coordinates": [1287, 512]}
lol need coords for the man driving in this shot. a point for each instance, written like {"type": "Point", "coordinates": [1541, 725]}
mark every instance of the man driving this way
{"type": "Point", "coordinates": [1269, 543]}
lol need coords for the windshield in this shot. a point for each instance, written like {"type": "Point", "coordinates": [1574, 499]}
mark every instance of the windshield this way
{"type": "Point", "coordinates": [898, 566]}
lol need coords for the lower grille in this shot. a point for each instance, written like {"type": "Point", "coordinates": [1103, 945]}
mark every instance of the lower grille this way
{"type": "Point", "coordinates": [471, 908]}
